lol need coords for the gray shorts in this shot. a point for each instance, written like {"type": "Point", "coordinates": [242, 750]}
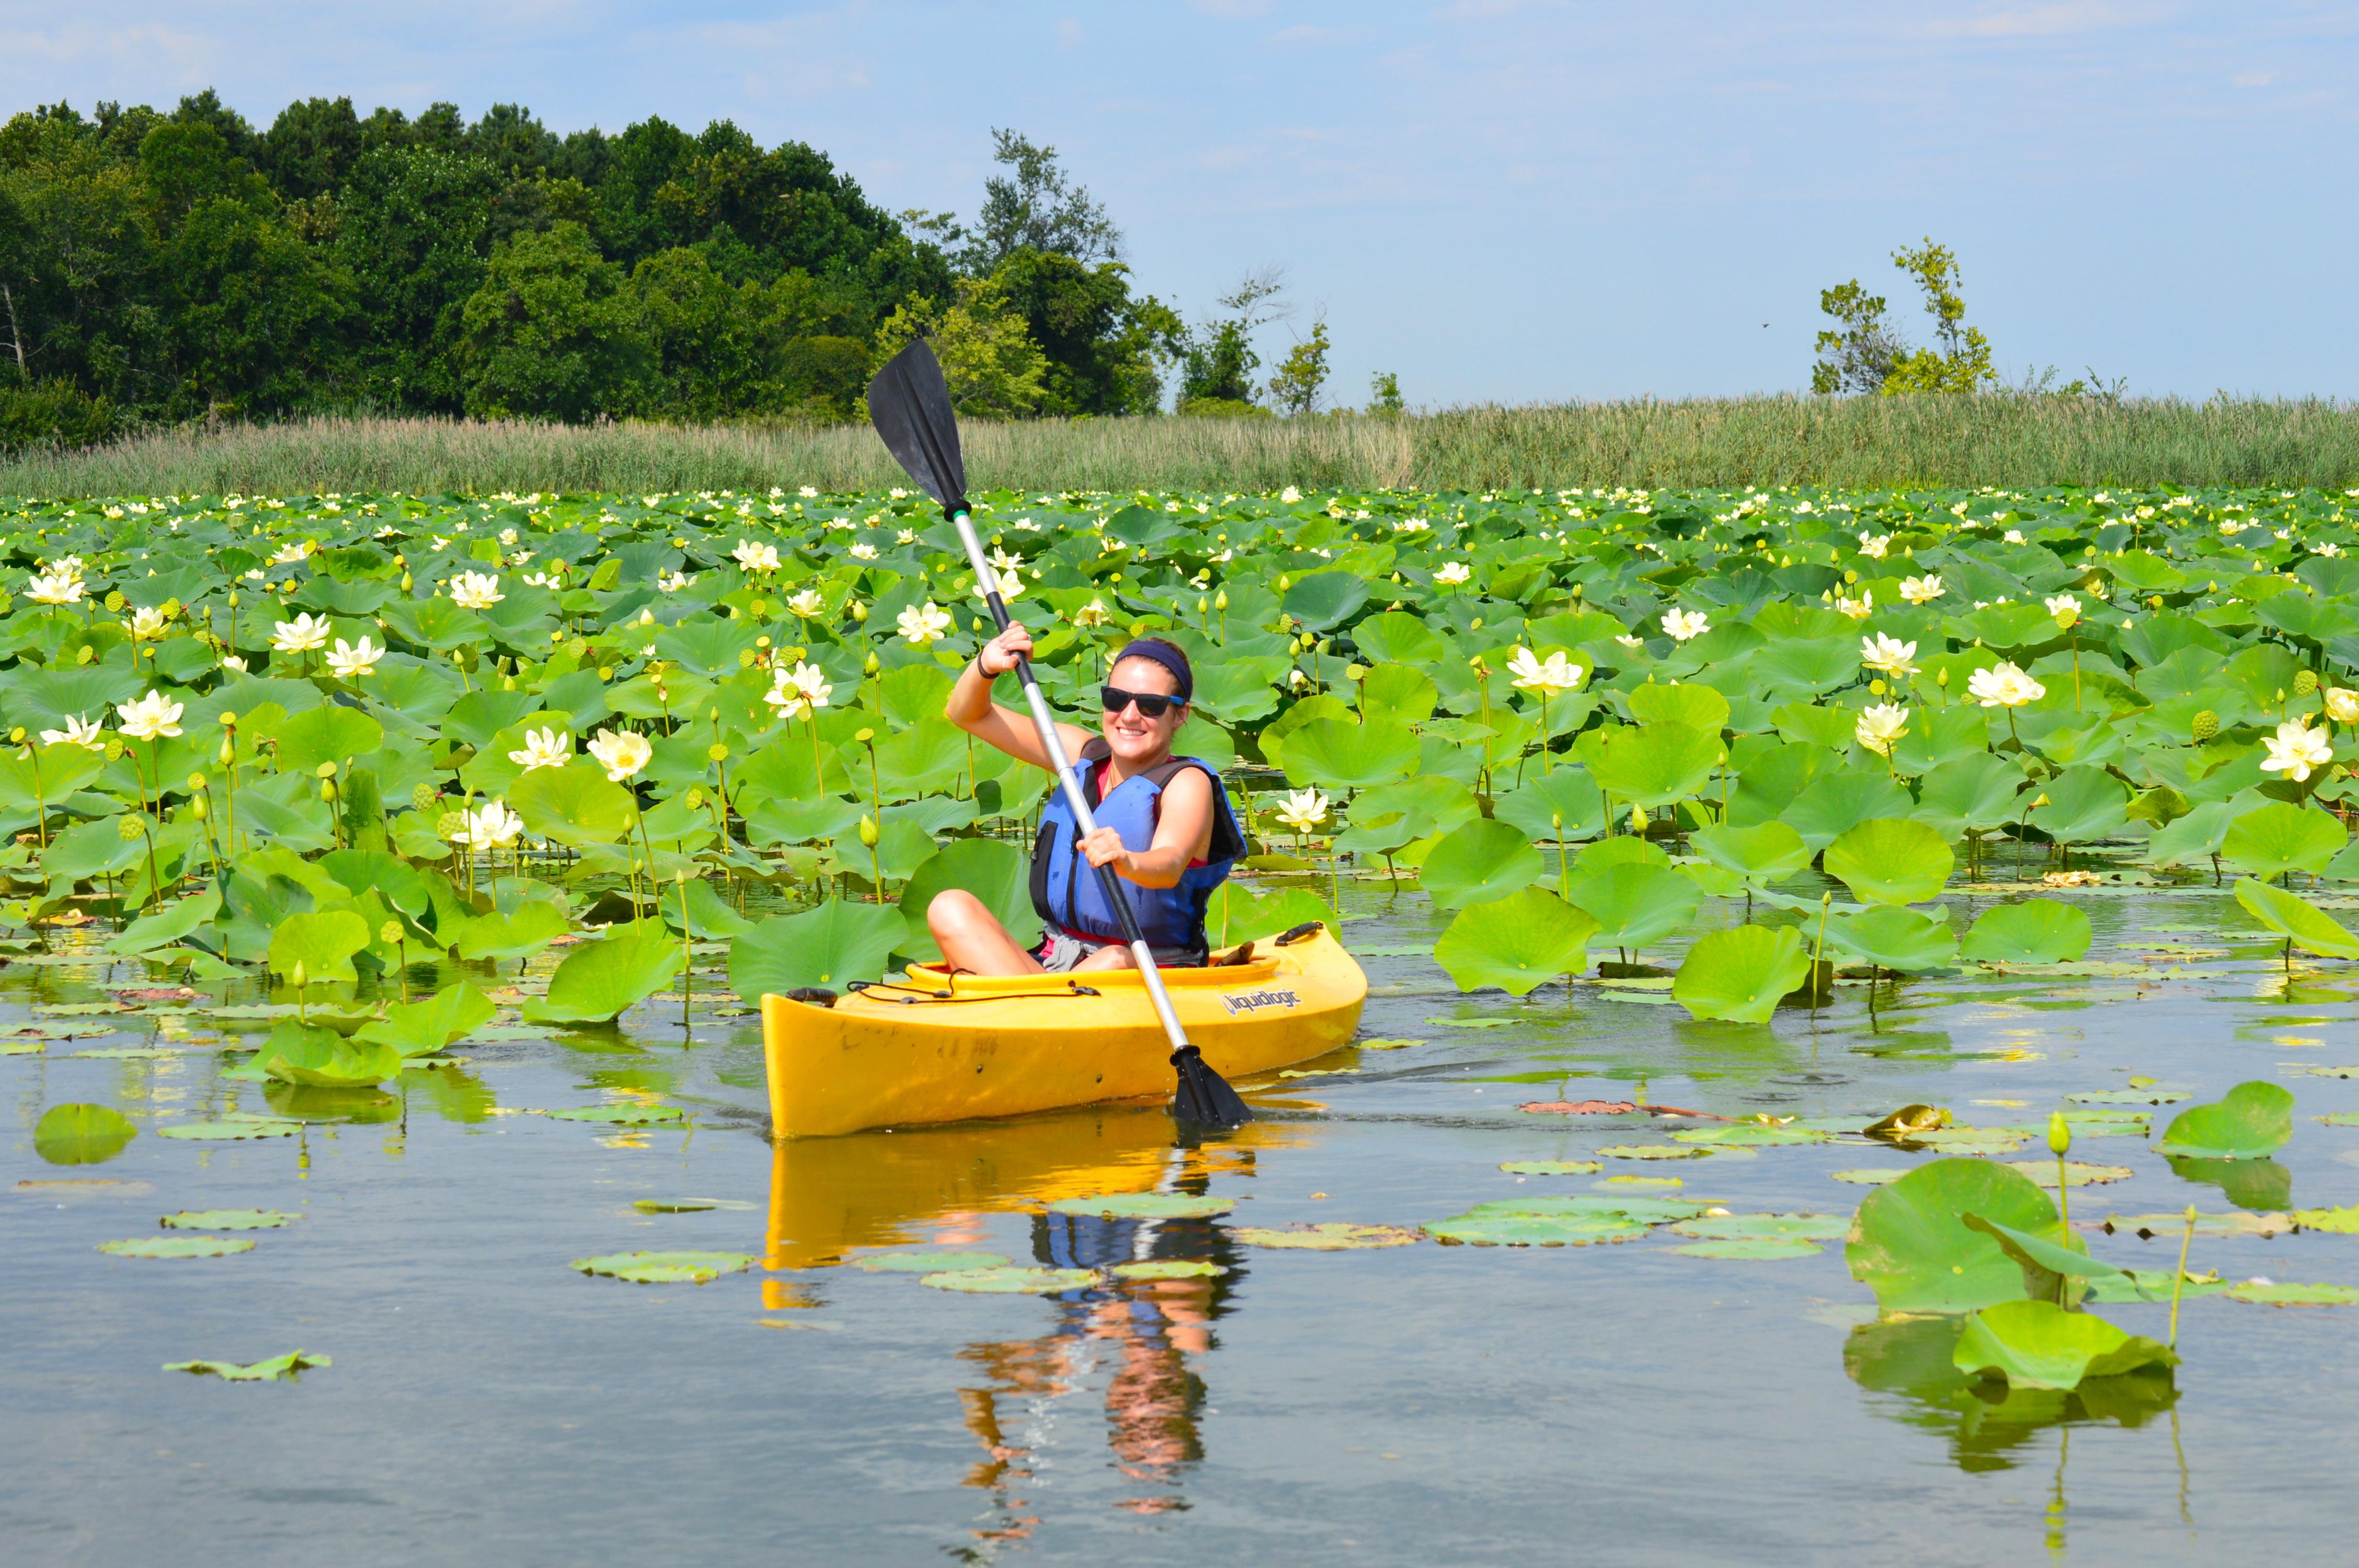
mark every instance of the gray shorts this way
{"type": "Point", "coordinates": [1060, 953]}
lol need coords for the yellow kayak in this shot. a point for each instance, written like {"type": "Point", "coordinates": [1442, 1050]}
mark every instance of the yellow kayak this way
{"type": "Point", "coordinates": [945, 1048]}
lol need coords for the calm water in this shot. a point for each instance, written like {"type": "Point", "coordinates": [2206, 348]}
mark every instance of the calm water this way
{"type": "Point", "coordinates": [1619, 1404]}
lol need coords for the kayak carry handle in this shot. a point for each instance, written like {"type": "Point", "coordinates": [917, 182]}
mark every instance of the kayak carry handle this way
{"type": "Point", "coordinates": [814, 996]}
{"type": "Point", "coordinates": [1308, 929]}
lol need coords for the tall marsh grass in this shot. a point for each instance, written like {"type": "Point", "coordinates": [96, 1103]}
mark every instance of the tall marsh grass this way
{"type": "Point", "coordinates": [1868, 443]}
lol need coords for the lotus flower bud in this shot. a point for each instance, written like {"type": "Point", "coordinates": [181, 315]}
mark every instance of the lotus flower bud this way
{"type": "Point", "coordinates": [2060, 1134]}
{"type": "Point", "coordinates": [1637, 819]}
{"type": "Point", "coordinates": [859, 613]}
{"type": "Point", "coordinates": [1221, 600]}
{"type": "Point", "coordinates": [197, 808]}
{"type": "Point", "coordinates": [298, 977]}
{"type": "Point", "coordinates": [868, 834]}
{"type": "Point", "coordinates": [871, 665]}
{"type": "Point", "coordinates": [227, 755]}
{"type": "Point", "coordinates": [327, 789]}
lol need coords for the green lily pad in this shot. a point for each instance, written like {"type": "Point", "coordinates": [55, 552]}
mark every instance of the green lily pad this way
{"type": "Point", "coordinates": [2304, 1070]}
{"type": "Point", "coordinates": [2251, 1120]}
{"type": "Point", "coordinates": [1475, 1022]}
{"type": "Point", "coordinates": [1386, 1045]}
{"type": "Point", "coordinates": [1747, 1133]}
{"type": "Point", "coordinates": [229, 1219]}
{"type": "Point", "coordinates": [665, 1267]}
{"type": "Point", "coordinates": [1326, 1237]}
{"type": "Point", "coordinates": [126, 1054]}
{"type": "Point", "coordinates": [2294, 1295]}
{"type": "Point", "coordinates": [1168, 1268]}
{"type": "Point", "coordinates": [2038, 1345]}
{"type": "Point", "coordinates": [686, 1206]}
{"type": "Point", "coordinates": [21, 1048]}
{"type": "Point", "coordinates": [1144, 1205]}
{"type": "Point", "coordinates": [1013, 1282]}
{"type": "Point", "coordinates": [1873, 1177]}
{"type": "Point", "coordinates": [1759, 1249]}
{"type": "Point", "coordinates": [620, 1115]}
{"type": "Point", "coordinates": [175, 1247]}
{"type": "Point", "coordinates": [1741, 974]}
{"type": "Point", "coordinates": [1764, 1227]}
{"type": "Point", "coordinates": [1537, 1230]}
{"type": "Point", "coordinates": [929, 1262]}
{"type": "Point", "coordinates": [81, 1134]}
{"type": "Point", "coordinates": [1675, 1152]}
{"type": "Point", "coordinates": [2237, 1223]}
{"type": "Point", "coordinates": [2340, 1221]}
{"type": "Point", "coordinates": [212, 1132]}
{"type": "Point", "coordinates": [2340, 1119]}
{"type": "Point", "coordinates": [1911, 1245]}
{"type": "Point", "coordinates": [2150, 1285]}
{"type": "Point", "coordinates": [2076, 1174]}
{"type": "Point", "coordinates": [277, 1369]}
{"type": "Point", "coordinates": [1551, 1167]}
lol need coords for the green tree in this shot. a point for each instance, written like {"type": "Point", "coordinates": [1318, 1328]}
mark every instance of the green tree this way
{"type": "Point", "coordinates": [1859, 354]}
{"type": "Point", "coordinates": [1961, 361]}
{"type": "Point", "coordinates": [258, 319]}
{"type": "Point", "coordinates": [1036, 206]}
{"type": "Point", "coordinates": [1217, 361]}
{"type": "Point", "coordinates": [553, 334]}
{"type": "Point", "coordinates": [310, 150]}
{"type": "Point", "coordinates": [1100, 342]}
{"type": "Point", "coordinates": [413, 233]}
{"type": "Point", "coordinates": [1385, 394]}
{"type": "Point", "coordinates": [1302, 373]}
{"type": "Point", "coordinates": [709, 359]}
{"type": "Point", "coordinates": [994, 369]}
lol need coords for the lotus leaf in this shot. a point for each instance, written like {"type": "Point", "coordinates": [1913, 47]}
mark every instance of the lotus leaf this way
{"type": "Point", "coordinates": [2277, 838]}
{"type": "Point", "coordinates": [2295, 919]}
{"type": "Point", "coordinates": [1636, 905]}
{"type": "Point", "coordinates": [621, 1115]}
{"type": "Point", "coordinates": [1235, 915]}
{"type": "Point", "coordinates": [2037, 931]}
{"type": "Point", "coordinates": [1515, 943]}
{"type": "Point", "coordinates": [1909, 1243]}
{"type": "Point", "coordinates": [300, 1052]}
{"type": "Point", "coordinates": [1764, 1227]}
{"type": "Point", "coordinates": [1537, 1229]}
{"type": "Point", "coordinates": [665, 1267]}
{"type": "Point", "coordinates": [2265, 1293]}
{"type": "Point", "coordinates": [1014, 1281]}
{"type": "Point", "coordinates": [2037, 1345]}
{"type": "Point", "coordinates": [2250, 1121]}
{"type": "Point", "coordinates": [1894, 938]}
{"type": "Point", "coordinates": [1969, 795]}
{"type": "Point", "coordinates": [1328, 1237]}
{"type": "Point", "coordinates": [1740, 974]}
{"type": "Point", "coordinates": [81, 1134]}
{"type": "Point", "coordinates": [1478, 863]}
{"type": "Point", "coordinates": [1890, 860]}
{"type": "Point", "coordinates": [227, 1131]}
{"type": "Point", "coordinates": [600, 979]}
{"type": "Point", "coordinates": [422, 1028]}
{"type": "Point", "coordinates": [1753, 1250]}
{"type": "Point", "coordinates": [276, 1370]}
{"type": "Point", "coordinates": [1758, 856]}
{"type": "Point", "coordinates": [175, 1247]}
{"type": "Point", "coordinates": [323, 945]}
{"type": "Point", "coordinates": [515, 934]}
{"type": "Point", "coordinates": [1551, 1167]}
{"type": "Point", "coordinates": [1658, 764]}
{"type": "Point", "coordinates": [574, 805]}
{"type": "Point", "coordinates": [1836, 803]}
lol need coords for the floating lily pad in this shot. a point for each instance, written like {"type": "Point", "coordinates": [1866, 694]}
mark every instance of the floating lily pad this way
{"type": "Point", "coordinates": [21, 1048]}
{"type": "Point", "coordinates": [1750, 1249]}
{"type": "Point", "coordinates": [2129, 1096]}
{"type": "Point", "coordinates": [277, 1369]}
{"type": "Point", "coordinates": [1751, 1133]}
{"type": "Point", "coordinates": [1475, 1022]}
{"type": "Point", "coordinates": [228, 1219]}
{"type": "Point", "coordinates": [80, 1008]}
{"type": "Point", "coordinates": [1656, 1152]}
{"type": "Point", "coordinates": [1013, 1282]}
{"type": "Point", "coordinates": [1144, 1205]}
{"type": "Point", "coordinates": [211, 1131]}
{"type": "Point", "coordinates": [1766, 1226]}
{"type": "Point", "coordinates": [1873, 1177]}
{"type": "Point", "coordinates": [2150, 1285]}
{"type": "Point", "coordinates": [2232, 1224]}
{"type": "Point", "coordinates": [1387, 1044]}
{"type": "Point", "coordinates": [2310, 1072]}
{"type": "Point", "coordinates": [81, 1134]}
{"type": "Point", "coordinates": [620, 1115]}
{"type": "Point", "coordinates": [2076, 1174]}
{"type": "Point", "coordinates": [175, 1247]}
{"type": "Point", "coordinates": [665, 1267]}
{"type": "Point", "coordinates": [1551, 1167]}
{"type": "Point", "coordinates": [930, 1262]}
{"type": "Point", "coordinates": [2038, 1345]}
{"type": "Point", "coordinates": [2340, 1119]}
{"type": "Point", "coordinates": [127, 1054]}
{"type": "Point", "coordinates": [1537, 1230]}
{"type": "Point", "coordinates": [2340, 1221]}
{"type": "Point", "coordinates": [1168, 1268]}
{"type": "Point", "coordinates": [1625, 1184]}
{"type": "Point", "coordinates": [1327, 1237]}
{"type": "Point", "coordinates": [2294, 1295]}
{"type": "Point", "coordinates": [2251, 1120]}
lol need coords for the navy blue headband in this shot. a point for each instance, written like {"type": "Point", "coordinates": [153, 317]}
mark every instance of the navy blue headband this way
{"type": "Point", "coordinates": [1164, 654]}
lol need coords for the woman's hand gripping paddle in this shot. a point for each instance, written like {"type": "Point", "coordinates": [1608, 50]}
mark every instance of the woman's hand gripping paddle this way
{"type": "Point", "coordinates": [909, 404]}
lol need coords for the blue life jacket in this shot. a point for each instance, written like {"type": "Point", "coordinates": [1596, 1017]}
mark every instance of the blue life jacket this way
{"type": "Point", "coordinates": [1066, 890]}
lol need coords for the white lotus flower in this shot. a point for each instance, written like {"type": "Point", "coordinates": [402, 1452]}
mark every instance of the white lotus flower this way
{"type": "Point", "coordinates": [2295, 750]}
{"type": "Point", "coordinates": [2342, 704]}
{"type": "Point", "coordinates": [2004, 685]}
{"type": "Point", "coordinates": [1093, 616]}
{"type": "Point", "coordinates": [233, 662]}
{"type": "Point", "coordinates": [754, 556]}
{"type": "Point", "coordinates": [1887, 653]}
{"type": "Point", "coordinates": [924, 625]}
{"type": "Point", "coordinates": [1289, 495]}
{"type": "Point", "coordinates": [293, 555]}
{"type": "Point", "coordinates": [55, 588]}
{"type": "Point", "coordinates": [809, 492]}
{"type": "Point", "coordinates": [146, 625]}
{"type": "Point", "coordinates": [1009, 584]}
{"type": "Point", "coordinates": [622, 753]}
{"type": "Point", "coordinates": [489, 828]}
{"type": "Point", "coordinates": [1304, 809]}
{"type": "Point", "coordinates": [1627, 640]}
{"type": "Point", "coordinates": [1922, 589]}
{"type": "Point", "coordinates": [1684, 625]}
{"type": "Point", "coordinates": [674, 582]}
{"type": "Point", "coordinates": [350, 662]}
{"type": "Point", "coordinates": [148, 717]}
{"type": "Point", "coordinates": [78, 731]}
{"type": "Point", "coordinates": [864, 551]}
{"type": "Point", "coordinates": [1873, 546]}
{"type": "Point", "coordinates": [301, 635]}
{"type": "Point", "coordinates": [2014, 536]}
{"type": "Point", "coordinates": [1880, 726]}
{"type": "Point", "coordinates": [799, 691]}
{"type": "Point", "coordinates": [1559, 674]}
{"type": "Point", "coordinates": [906, 537]}
{"type": "Point", "coordinates": [1451, 572]}
{"type": "Point", "coordinates": [807, 603]}
{"type": "Point", "coordinates": [550, 748]}
{"type": "Point", "coordinates": [2327, 548]}
{"type": "Point", "coordinates": [476, 590]}
{"type": "Point", "coordinates": [2065, 607]}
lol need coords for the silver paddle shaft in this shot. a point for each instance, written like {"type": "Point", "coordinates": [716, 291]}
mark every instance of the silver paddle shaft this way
{"type": "Point", "coordinates": [1045, 722]}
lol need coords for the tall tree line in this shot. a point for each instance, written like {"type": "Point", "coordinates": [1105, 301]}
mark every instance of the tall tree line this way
{"type": "Point", "coordinates": [167, 266]}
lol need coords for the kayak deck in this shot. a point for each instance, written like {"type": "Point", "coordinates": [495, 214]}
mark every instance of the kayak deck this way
{"type": "Point", "coordinates": [943, 1047]}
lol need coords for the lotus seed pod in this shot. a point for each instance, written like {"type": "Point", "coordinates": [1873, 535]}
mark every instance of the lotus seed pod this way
{"type": "Point", "coordinates": [423, 797]}
{"type": "Point", "coordinates": [2305, 682]}
{"type": "Point", "coordinates": [196, 781]}
{"type": "Point", "coordinates": [85, 654]}
{"type": "Point", "coordinates": [114, 601]}
{"type": "Point", "coordinates": [717, 752]}
{"type": "Point", "coordinates": [2206, 725]}
{"type": "Point", "coordinates": [16, 736]}
{"type": "Point", "coordinates": [324, 771]}
{"type": "Point", "coordinates": [389, 934]}
{"type": "Point", "coordinates": [864, 736]}
{"type": "Point", "coordinates": [868, 834]}
{"type": "Point", "coordinates": [694, 799]}
{"type": "Point", "coordinates": [450, 824]}
{"type": "Point", "coordinates": [130, 827]}
{"type": "Point", "coordinates": [228, 719]}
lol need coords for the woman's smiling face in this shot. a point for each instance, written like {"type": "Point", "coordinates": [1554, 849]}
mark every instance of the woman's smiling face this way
{"type": "Point", "coordinates": [1132, 736]}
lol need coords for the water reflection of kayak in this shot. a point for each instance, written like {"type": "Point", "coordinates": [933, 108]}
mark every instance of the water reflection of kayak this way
{"type": "Point", "coordinates": [831, 1196]}
{"type": "Point", "coordinates": [954, 1048]}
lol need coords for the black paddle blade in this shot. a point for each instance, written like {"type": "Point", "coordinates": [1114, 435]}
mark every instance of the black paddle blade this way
{"type": "Point", "coordinates": [909, 404]}
{"type": "Point", "coordinates": [1203, 1098]}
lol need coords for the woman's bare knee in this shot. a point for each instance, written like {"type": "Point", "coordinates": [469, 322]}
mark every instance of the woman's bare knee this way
{"type": "Point", "coordinates": [1114, 958]}
{"type": "Point", "coordinates": [954, 912]}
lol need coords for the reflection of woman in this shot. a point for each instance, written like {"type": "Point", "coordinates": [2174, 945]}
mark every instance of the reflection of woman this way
{"type": "Point", "coordinates": [1163, 823]}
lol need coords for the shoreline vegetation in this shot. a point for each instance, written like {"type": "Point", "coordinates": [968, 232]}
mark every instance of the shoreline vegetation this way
{"type": "Point", "coordinates": [1858, 443]}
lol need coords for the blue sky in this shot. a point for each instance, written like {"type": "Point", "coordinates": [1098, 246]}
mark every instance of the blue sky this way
{"type": "Point", "coordinates": [1500, 201]}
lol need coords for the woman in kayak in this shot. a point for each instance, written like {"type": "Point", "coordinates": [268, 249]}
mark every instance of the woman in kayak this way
{"type": "Point", "coordinates": [1163, 822]}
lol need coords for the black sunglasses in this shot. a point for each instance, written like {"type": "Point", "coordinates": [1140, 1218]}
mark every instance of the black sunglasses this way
{"type": "Point", "coordinates": [1151, 704]}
